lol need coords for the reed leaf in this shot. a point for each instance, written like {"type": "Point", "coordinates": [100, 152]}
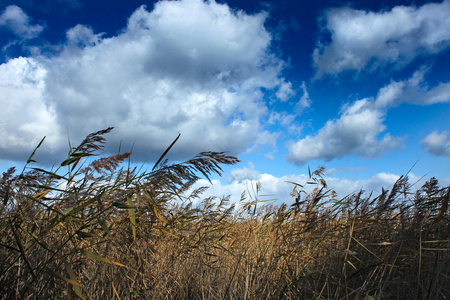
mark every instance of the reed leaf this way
{"type": "Point", "coordinates": [131, 212]}
{"type": "Point", "coordinates": [73, 277]}
{"type": "Point", "coordinates": [30, 159]}
{"type": "Point", "coordinates": [96, 257]}
{"type": "Point", "coordinates": [165, 152]}
{"type": "Point", "coordinates": [56, 275]}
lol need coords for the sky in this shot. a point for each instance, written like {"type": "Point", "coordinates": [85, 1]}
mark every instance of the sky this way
{"type": "Point", "coordinates": [362, 87]}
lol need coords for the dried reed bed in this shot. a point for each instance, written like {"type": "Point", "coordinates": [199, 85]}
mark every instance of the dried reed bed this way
{"type": "Point", "coordinates": [101, 232]}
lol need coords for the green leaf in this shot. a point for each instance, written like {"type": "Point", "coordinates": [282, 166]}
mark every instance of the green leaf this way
{"type": "Point", "coordinates": [165, 152]}
{"type": "Point", "coordinates": [30, 159]}
{"type": "Point", "coordinates": [132, 214]}
{"type": "Point", "coordinates": [73, 210]}
{"type": "Point", "coordinates": [103, 225]}
{"type": "Point", "coordinates": [52, 175]}
{"type": "Point", "coordinates": [100, 258]}
{"type": "Point", "coordinates": [152, 204]}
{"type": "Point", "coordinates": [121, 205]}
{"type": "Point", "coordinates": [56, 275]}
{"type": "Point", "coordinates": [69, 161]}
{"type": "Point", "coordinates": [73, 277]}
{"type": "Point", "coordinates": [85, 235]}
{"type": "Point", "coordinates": [75, 157]}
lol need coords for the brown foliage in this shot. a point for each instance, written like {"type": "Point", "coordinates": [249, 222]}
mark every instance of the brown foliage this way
{"type": "Point", "coordinates": [104, 232]}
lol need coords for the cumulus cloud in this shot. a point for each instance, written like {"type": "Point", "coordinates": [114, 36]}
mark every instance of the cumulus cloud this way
{"type": "Point", "coordinates": [437, 144]}
{"type": "Point", "coordinates": [17, 21]}
{"type": "Point", "coordinates": [280, 188]}
{"type": "Point", "coordinates": [360, 38]}
{"type": "Point", "coordinates": [25, 118]}
{"type": "Point", "coordinates": [414, 90]}
{"type": "Point", "coordinates": [240, 175]}
{"type": "Point", "coordinates": [359, 127]}
{"type": "Point", "coordinates": [356, 131]}
{"type": "Point", "coordinates": [82, 36]}
{"type": "Point", "coordinates": [188, 66]}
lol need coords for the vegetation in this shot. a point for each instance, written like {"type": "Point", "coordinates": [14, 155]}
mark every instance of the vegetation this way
{"type": "Point", "coordinates": [99, 231]}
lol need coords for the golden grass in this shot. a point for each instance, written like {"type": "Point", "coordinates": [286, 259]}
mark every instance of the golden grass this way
{"type": "Point", "coordinates": [100, 232]}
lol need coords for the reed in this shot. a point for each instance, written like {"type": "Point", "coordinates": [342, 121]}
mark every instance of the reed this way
{"type": "Point", "coordinates": [93, 229]}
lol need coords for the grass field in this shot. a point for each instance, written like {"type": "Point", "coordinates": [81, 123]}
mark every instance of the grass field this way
{"type": "Point", "coordinates": [93, 229]}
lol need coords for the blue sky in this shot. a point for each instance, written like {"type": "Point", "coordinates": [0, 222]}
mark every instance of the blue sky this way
{"type": "Point", "coordinates": [362, 87]}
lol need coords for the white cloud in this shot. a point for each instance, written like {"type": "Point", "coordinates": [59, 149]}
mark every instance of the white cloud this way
{"type": "Point", "coordinates": [188, 66]}
{"type": "Point", "coordinates": [288, 120]}
{"type": "Point", "coordinates": [82, 36]}
{"type": "Point", "coordinates": [244, 174]}
{"type": "Point", "coordinates": [305, 101]}
{"type": "Point", "coordinates": [279, 188]}
{"type": "Point", "coordinates": [356, 131]}
{"type": "Point", "coordinates": [25, 118]}
{"type": "Point", "coordinates": [414, 91]}
{"type": "Point", "coordinates": [437, 144]}
{"type": "Point", "coordinates": [282, 118]}
{"type": "Point", "coordinates": [285, 92]}
{"type": "Point", "coordinates": [359, 127]}
{"type": "Point", "coordinates": [360, 39]}
{"type": "Point", "coordinates": [16, 20]}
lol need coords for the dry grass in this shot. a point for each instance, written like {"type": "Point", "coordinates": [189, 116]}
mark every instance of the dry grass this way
{"type": "Point", "coordinates": [100, 232]}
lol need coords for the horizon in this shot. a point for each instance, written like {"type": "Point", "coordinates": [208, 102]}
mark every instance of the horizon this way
{"type": "Point", "coordinates": [360, 87]}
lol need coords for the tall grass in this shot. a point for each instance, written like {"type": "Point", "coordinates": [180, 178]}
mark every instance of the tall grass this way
{"type": "Point", "coordinates": [99, 231]}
